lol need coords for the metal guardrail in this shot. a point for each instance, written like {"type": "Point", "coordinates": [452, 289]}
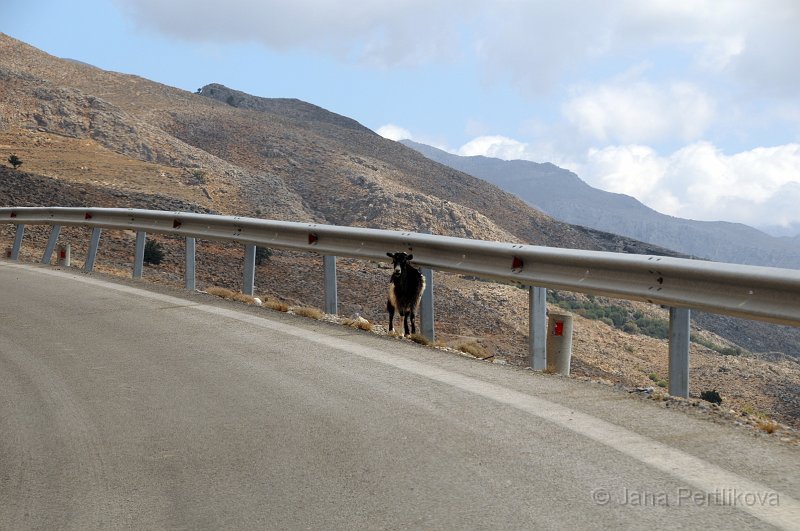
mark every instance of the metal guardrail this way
{"type": "Point", "coordinates": [752, 292]}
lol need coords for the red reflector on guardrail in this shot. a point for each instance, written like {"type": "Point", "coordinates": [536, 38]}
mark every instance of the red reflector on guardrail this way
{"type": "Point", "coordinates": [13, 214]}
{"type": "Point", "coordinates": [312, 238]}
{"type": "Point", "coordinates": [88, 215]}
{"type": "Point", "coordinates": [176, 224]}
{"type": "Point", "coordinates": [558, 328]}
{"type": "Point", "coordinates": [517, 263]}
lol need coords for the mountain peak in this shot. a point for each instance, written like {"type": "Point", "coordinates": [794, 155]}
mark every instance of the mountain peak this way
{"type": "Point", "coordinates": [292, 108]}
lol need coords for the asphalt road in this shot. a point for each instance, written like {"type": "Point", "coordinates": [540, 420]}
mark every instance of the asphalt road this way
{"type": "Point", "coordinates": [129, 406]}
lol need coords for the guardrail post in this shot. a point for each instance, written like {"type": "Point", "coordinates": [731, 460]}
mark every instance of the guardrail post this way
{"type": "Point", "coordinates": [249, 269]}
{"type": "Point", "coordinates": [94, 243]}
{"type": "Point", "coordinates": [138, 258]}
{"type": "Point", "coordinates": [51, 244]}
{"type": "Point", "coordinates": [189, 270]}
{"type": "Point", "coordinates": [559, 343]}
{"type": "Point", "coordinates": [426, 306]}
{"type": "Point", "coordinates": [17, 242]}
{"type": "Point", "coordinates": [679, 338]}
{"type": "Point", "coordinates": [64, 255]}
{"type": "Point", "coordinates": [331, 295]}
{"type": "Point", "coordinates": [537, 327]}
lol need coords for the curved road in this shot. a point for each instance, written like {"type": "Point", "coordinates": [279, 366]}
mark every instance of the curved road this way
{"type": "Point", "coordinates": [124, 405]}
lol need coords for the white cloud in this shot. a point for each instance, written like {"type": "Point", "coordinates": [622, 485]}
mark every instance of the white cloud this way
{"type": "Point", "coordinates": [757, 187]}
{"type": "Point", "coordinates": [394, 132]}
{"type": "Point", "coordinates": [387, 33]}
{"type": "Point", "coordinates": [639, 112]}
{"type": "Point", "coordinates": [534, 43]}
{"type": "Point", "coordinates": [633, 169]}
{"type": "Point", "coordinates": [494, 146]}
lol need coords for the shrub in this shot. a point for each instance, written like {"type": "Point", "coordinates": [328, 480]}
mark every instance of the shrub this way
{"type": "Point", "coordinates": [711, 396]}
{"type": "Point", "coordinates": [196, 176]}
{"type": "Point", "coordinates": [153, 254]}
{"type": "Point", "coordinates": [15, 161]}
{"type": "Point", "coordinates": [767, 426]}
{"type": "Point", "coordinates": [262, 254]}
{"type": "Point", "coordinates": [631, 328]}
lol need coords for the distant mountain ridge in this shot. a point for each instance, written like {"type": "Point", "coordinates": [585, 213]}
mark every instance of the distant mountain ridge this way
{"type": "Point", "coordinates": [563, 195]}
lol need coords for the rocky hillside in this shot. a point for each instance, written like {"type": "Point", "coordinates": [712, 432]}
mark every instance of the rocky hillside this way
{"type": "Point", "coordinates": [90, 137]}
{"type": "Point", "coordinates": [281, 157]}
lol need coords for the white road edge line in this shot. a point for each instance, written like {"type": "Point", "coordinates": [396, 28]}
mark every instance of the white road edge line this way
{"type": "Point", "coordinates": [708, 477]}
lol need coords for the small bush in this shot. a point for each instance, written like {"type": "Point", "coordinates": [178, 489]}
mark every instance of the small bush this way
{"type": "Point", "coordinates": [767, 426]}
{"type": "Point", "coordinates": [15, 161]}
{"type": "Point", "coordinates": [711, 396]}
{"type": "Point", "coordinates": [631, 328]}
{"type": "Point", "coordinates": [196, 176]}
{"type": "Point", "coordinates": [263, 254]}
{"type": "Point", "coordinates": [153, 254]}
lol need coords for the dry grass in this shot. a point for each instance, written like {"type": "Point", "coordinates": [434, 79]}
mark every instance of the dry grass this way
{"type": "Point", "coordinates": [767, 426]}
{"type": "Point", "coordinates": [361, 324]}
{"type": "Point", "coordinates": [225, 293]}
{"type": "Point", "coordinates": [474, 349]}
{"type": "Point", "coordinates": [306, 311]}
{"type": "Point", "coordinates": [419, 338]}
{"type": "Point", "coordinates": [230, 294]}
{"type": "Point", "coordinates": [276, 305]}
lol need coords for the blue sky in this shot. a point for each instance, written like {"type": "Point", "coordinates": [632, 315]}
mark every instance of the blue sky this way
{"type": "Point", "coordinates": [691, 106]}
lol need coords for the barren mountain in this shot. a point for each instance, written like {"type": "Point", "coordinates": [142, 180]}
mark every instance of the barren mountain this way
{"type": "Point", "coordinates": [563, 194]}
{"type": "Point", "coordinates": [96, 138]}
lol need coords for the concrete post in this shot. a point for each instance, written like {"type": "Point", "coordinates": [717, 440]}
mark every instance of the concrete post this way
{"type": "Point", "coordinates": [537, 327]}
{"type": "Point", "coordinates": [426, 306]}
{"type": "Point", "coordinates": [17, 242]}
{"type": "Point", "coordinates": [138, 258]}
{"type": "Point", "coordinates": [51, 244]}
{"type": "Point", "coordinates": [94, 243]}
{"type": "Point", "coordinates": [679, 339]}
{"type": "Point", "coordinates": [249, 269]}
{"type": "Point", "coordinates": [559, 343]}
{"type": "Point", "coordinates": [331, 294]}
{"type": "Point", "coordinates": [189, 270]}
{"type": "Point", "coordinates": [64, 255]}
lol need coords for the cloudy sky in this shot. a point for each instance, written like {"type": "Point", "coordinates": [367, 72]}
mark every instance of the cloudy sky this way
{"type": "Point", "coordinates": [691, 106]}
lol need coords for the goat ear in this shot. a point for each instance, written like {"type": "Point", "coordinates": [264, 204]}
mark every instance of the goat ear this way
{"type": "Point", "coordinates": [390, 255]}
{"type": "Point", "coordinates": [411, 257]}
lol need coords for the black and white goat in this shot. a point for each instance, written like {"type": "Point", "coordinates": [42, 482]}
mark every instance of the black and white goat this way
{"type": "Point", "coordinates": [405, 290]}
